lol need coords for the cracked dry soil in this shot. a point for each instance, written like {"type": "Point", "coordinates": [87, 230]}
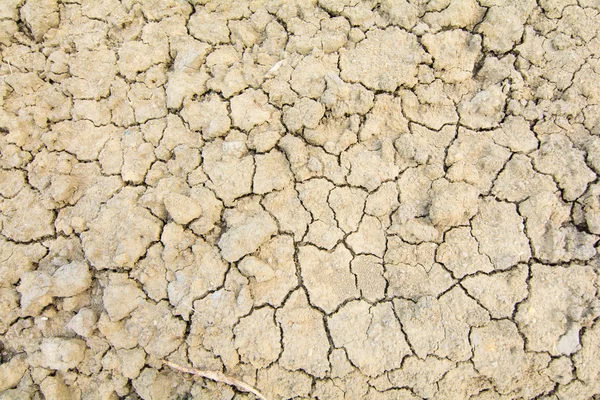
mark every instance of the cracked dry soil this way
{"type": "Point", "coordinates": [327, 199]}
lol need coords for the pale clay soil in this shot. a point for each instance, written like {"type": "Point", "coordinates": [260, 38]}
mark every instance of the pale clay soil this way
{"type": "Point", "coordinates": [326, 199]}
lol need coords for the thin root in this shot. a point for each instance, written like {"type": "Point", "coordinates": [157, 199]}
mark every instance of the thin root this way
{"type": "Point", "coordinates": [218, 377]}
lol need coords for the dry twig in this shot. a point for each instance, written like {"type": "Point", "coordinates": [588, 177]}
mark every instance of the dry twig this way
{"type": "Point", "coordinates": [218, 377]}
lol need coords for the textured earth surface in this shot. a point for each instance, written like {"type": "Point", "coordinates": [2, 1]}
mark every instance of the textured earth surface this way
{"type": "Point", "coordinates": [327, 199]}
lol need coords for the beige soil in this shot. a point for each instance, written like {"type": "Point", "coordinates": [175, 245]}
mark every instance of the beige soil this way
{"type": "Point", "coordinates": [325, 199]}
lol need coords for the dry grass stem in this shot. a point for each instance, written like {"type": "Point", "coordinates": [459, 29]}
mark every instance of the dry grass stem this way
{"type": "Point", "coordinates": [218, 377]}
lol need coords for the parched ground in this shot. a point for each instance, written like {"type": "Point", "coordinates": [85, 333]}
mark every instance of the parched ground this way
{"type": "Point", "coordinates": [327, 199]}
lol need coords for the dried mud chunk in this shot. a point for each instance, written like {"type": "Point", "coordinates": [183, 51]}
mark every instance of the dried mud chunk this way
{"type": "Point", "coordinates": [516, 134]}
{"type": "Point", "coordinates": [272, 172]}
{"type": "Point", "coordinates": [314, 194]}
{"type": "Point", "coordinates": [560, 370]}
{"type": "Point", "coordinates": [334, 135]}
{"type": "Point", "coordinates": [303, 328]}
{"type": "Point", "coordinates": [401, 13]}
{"type": "Point", "coordinates": [83, 323]}
{"type": "Point", "coordinates": [342, 98]}
{"type": "Point", "coordinates": [13, 156]}
{"type": "Point", "coordinates": [327, 276]}
{"type": "Point", "coordinates": [518, 180]}
{"type": "Point", "coordinates": [197, 268]}
{"type": "Point", "coordinates": [348, 204]}
{"type": "Point", "coordinates": [495, 70]}
{"type": "Point", "coordinates": [96, 111]}
{"type": "Point", "coordinates": [415, 281]}
{"type": "Point", "coordinates": [462, 382]}
{"type": "Point", "coordinates": [305, 113]}
{"type": "Point", "coordinates": [324, 235]}
{"type": "Point", "coordinates": [452, 203]}
{"type": "Point", "coordinates": [215, 316]}
{"type": "Point", "coordinates": [59, 178]}
{"type": "Point", "coordinates": [148, 103]}
{"type": "Point", "coordinates": [484, 110]}
{"type": "Point", "coordinates": [159, 10]}
{"type": "Point", "coordinates": [115, 333]}
{"type": "Point", "coordinates": [132, 362]}
{"type": "Point", "coordinates": [121, 233]}
{"type": "Point", "coordinates": [53, 387]}
{"type": "Point", "coordinates": [264, 137]}
{"type": "Point", "coordinates": [460, 254]}
{"type": "Point", "coordinates": [209, 27]}
{"type": "Point", "coordinates": [430, 332]}
{"type": "Point", "coordinates": [61, 354]}
{"type": "Point", "coordinates": [251, 108]}
{"type": "Point", "coordinates": [371, 336]}
{"type": "Point", "coordinates": [553, 315]}
{"type": "Point", "coordinates": [10, 9]}
{"type": "Point", "coordinates": [156, 329]}
{"type": "Point", "coordinates": [289, 212]}
{"type": "Point", "coordinates": [279, 383]}
{"type": "Point", "coordinates": [89, 70]}
{"type": "Point", "coordinates": [308, 78]}
{"type": "Point", "coordinates": [251, 266]}
{"type": "Point", "coordinates": [382, 202]}
{"type": "Point", "coordinates": [229, 168]}
{"type": "Point", "coordinates": [454, 54]}
{"type": "Point", "coordinates": [257, 338]}
{"type": "Point", "coordinates": [209, 116]}
{"type": "Point", "coordinates": [395, 52]}
{"type": "Point", "coordinates": [498, 354]}
{"type": "Point", "coordinates": [385, 119]}
{"type": "Point", "coordinates": [121, 296]}
{"type": "Point", "coordinates": [458, 14]}
{"type": "Point", "coordinates": [475, 159]}
{"type": "Point", "coordinates": [35, 288]}
{"type": "Point", "coordinates": [327, 390]}
{"type": "Point", "coordinates": [279, 90]}
{"type": "Point", "coordinates": [11, 373]}
{"type": "Point", "coordinates": [500, 232]}
{"type": "Point", "coordinates": [11, 182]}
{"type": "Point", "coordinates": [370, 164]}
{"type": "Point", "coordinates": [421, 375]}
{"type": "Point", "coordinates": [18, 259]}
{"type": "Point", "coordinates": [99, 191]}
{"type": "Point", "coordinates": [278, 255]}
{"type": "Point", "coordinates": [71, 279]}
{"type": "Point", "coordinates": [9, 308]}
{"type": "Point", "coordinates": [138, 156]}
{"type": "Point", "coordinates": [500, 35]}
{"type": "Point", "coordinates": [591, 209]}
{"type": "Point", "coordinates": [423, 146]}
{"type": "Point", "coordinates": [586, 361]}
{"type": "Point", "coordinates": [248, 226]}
{"type": "Point", "coordinates": [411, 270]}
{"type": "Point", "coordinates": [308, 162]}
{"type": "Point", "coordinates": [499, 293]}
{"type": "Point", "coordinates": [188, 77]}
{"type": "Point", "coordinates": [369, 238]}
{"type": "Point", "coordinates": [24, 218]}
{"type": "Point", "coordinates": [552, 239]}
{"type": "Point", "coordinates": [153, 385]}
{"type": "Point", "coordinates": [136, 57]}
{"type": "Point", "coordinates": [369, 277]}
{"type": "Point", "coordinates": [391, 394]}
{"type": "Point", "coordinates": [40, 16]}
{"type": "Point", "coordinates": [414, 186]}
{"type": "Point", "coordinates": [566, 164]}
{"type": "Point", "coordinates": [182, 208]}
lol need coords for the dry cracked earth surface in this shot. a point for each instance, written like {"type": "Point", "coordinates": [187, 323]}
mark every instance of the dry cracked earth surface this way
{"type": "Point", "coordinates": [332, 199]}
